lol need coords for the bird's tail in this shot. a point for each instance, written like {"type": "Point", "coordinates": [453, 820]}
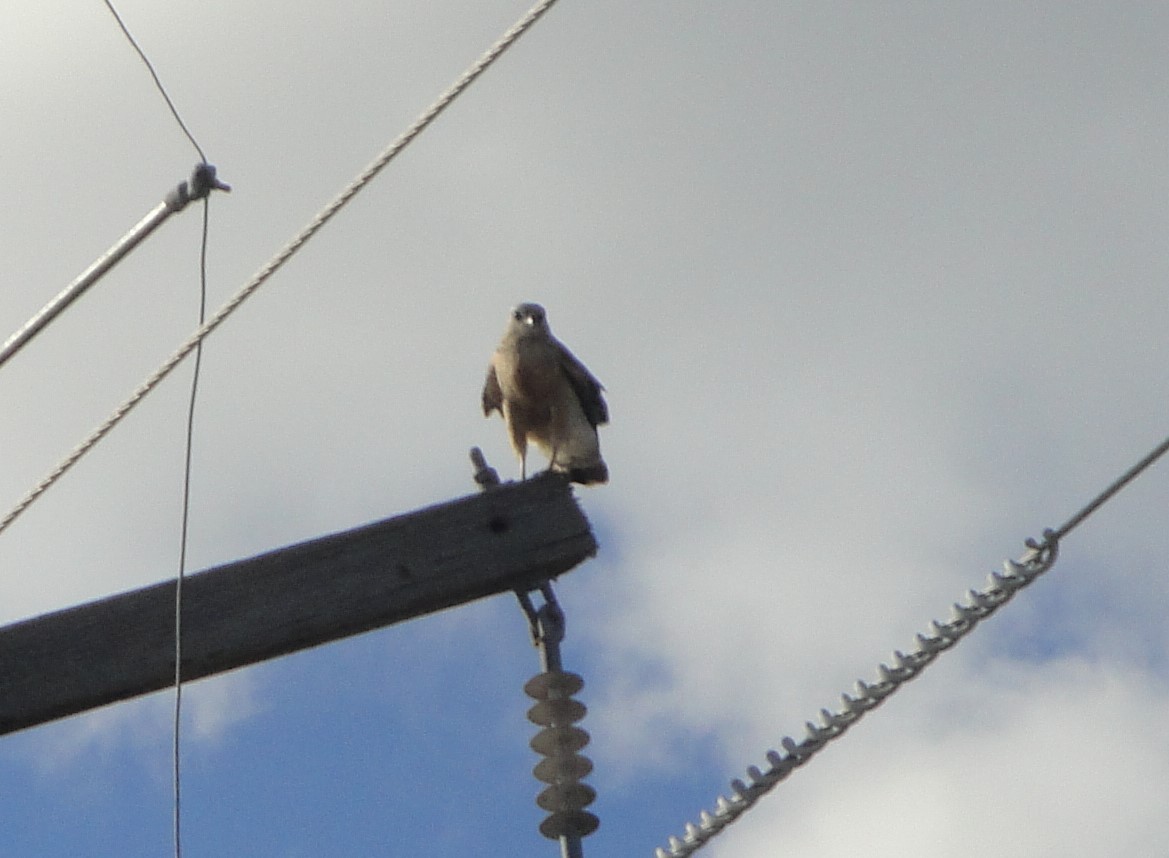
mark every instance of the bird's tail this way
{"type": "Point", "coordinates": [589, 475]}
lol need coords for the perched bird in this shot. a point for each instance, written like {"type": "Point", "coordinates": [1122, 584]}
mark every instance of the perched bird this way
{"type": "Point", "coordinates": [546, 396]}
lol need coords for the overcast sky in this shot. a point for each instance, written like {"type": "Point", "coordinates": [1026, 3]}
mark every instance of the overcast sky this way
{"type": "Point", "coordinates": [877, 291]}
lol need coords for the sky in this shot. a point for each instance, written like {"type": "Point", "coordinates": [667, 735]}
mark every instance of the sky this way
{"type": "Point", "coordinates": [877, 292]}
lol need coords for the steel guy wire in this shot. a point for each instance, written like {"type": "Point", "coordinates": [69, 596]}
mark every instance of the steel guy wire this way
{"type": "Point", "coordinates": [1106, 495]}
{"type": "Point", "coordinates": [282, 256]}
{"type": "Point", "coordinates": [202, 181]}
{"type": "Point", "coordinates": [1039, 557]}
{"type": "Point", "coordinates": [979, 604]}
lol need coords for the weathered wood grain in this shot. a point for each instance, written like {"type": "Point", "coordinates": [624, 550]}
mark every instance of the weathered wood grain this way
{"type": "Point", "coordinates": [510, 537]}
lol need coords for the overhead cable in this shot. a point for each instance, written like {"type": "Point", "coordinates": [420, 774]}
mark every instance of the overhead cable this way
{"type": "Point", "coordinates": [866, 696]}
{"type": "Point", "coordinates": [157, 81]}
{"type": "Point", "coordinates": [1039, 557]}
{"type": "Point", "coordinates": [176, 755]}
{"type": "Point", "coordinates": [203, 181]}
{"type": "Point", "coordinates": [282, 256]}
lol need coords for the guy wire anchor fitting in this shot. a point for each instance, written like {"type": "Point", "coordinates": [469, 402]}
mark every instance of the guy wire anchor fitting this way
{"type": "Point", "coordinates": [203, 182]}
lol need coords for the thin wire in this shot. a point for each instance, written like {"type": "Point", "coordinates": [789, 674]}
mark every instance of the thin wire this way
{"type": "Point", "coordinates": [157, 82]}
{"type": "Point", "coordinates": [186, 514]}
{"type": "Point", "coordinates": [1040, 556]}
{"type": "Point", "coordinates": [286, 253]}
{"type": "Point", "coordinates": [832, 725]}
{"type": "Point", "coordinates": [1106, 495]}
{"type": "Point", "coordinates": [189, 443]}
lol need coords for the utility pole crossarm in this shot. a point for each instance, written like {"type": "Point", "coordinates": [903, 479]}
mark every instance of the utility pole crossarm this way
{"type": "Point", "coordinates": [511, 537]}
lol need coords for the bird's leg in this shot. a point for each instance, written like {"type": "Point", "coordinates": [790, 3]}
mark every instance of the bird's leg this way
{"type": "Point", "coordinates": [519, 438]}
{"type": "Point", "coordinates": [556, 439]}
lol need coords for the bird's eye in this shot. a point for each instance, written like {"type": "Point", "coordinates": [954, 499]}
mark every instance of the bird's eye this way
{"type": "Point", "coordinates": [517, 315]}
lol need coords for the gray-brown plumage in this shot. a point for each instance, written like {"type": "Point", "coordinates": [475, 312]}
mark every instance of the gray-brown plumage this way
{"type": "Point", "coordinates": [546, 396]}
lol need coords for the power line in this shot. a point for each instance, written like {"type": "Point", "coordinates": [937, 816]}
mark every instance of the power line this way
{"type": "Point", "coordinates": [281, 257]}
{"type": "Point", "coordinates": [183, 542]}
{"type": "Point", "coordinates": [194, 343]}
{"type": "Point", "coordinates": [1106, 495]}
{"type": "Point", "coordinates": [1039, 557]}
{"type": "Point", "coordinates": [866, 697]}
{"type": "Point", "coordinates": [176, 748]}
{"type": "Point", "coordinates": [157, 82]}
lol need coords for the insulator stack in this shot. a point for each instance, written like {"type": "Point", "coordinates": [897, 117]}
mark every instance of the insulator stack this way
{"type": "Point", "coordinates": [559, 741]}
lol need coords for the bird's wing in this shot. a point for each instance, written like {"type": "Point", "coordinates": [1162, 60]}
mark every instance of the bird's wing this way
{"type": "Point", "coordinates": [492, 393]}
{"type": "Point", "coordinates": [585, 386]}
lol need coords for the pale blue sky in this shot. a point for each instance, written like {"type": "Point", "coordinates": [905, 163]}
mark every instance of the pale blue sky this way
{"type": "Point", "coordinates": [877, 292]}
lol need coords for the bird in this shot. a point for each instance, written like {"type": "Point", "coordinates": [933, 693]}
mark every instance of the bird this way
{"type": "Point", "coordinates": [546, 396]}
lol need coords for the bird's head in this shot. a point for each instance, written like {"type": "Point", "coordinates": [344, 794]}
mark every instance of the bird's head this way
{"type": "Point", "coordinates": [526, 318]}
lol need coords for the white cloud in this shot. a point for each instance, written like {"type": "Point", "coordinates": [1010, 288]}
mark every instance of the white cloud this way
{"type": "Point", "coordinates": [877, 292]}
{"type": "Point", "coordinates": [1013, 760]}
{"type": "Point", "coordinates": [145, 726]}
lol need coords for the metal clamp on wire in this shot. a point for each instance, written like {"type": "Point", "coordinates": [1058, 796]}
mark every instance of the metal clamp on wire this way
{"type": "Point", "coordinates": [1045, 551]}
{"type": "Point", "coordinates": [203, 182]}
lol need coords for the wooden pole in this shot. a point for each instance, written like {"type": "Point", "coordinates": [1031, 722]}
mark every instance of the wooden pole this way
{"type": "Point", "coordinates": [507, 538]}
